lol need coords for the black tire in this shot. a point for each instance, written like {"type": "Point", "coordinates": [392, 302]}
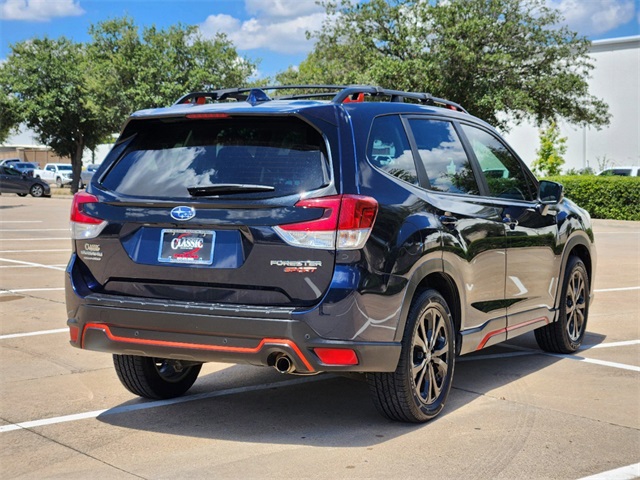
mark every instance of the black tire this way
{"type": "Point", "coordinates": [21, 194]}
{"type": "Point", "coordinates": [566, 334]}
{"type": "Point", "coordinates": [58, 182]}
{"type": "Point", "coordinates": [406, 395]}
{"type": "Point", "coordinates": [155, 378]}
{"type": "Point", "coordinates": [36, 190]}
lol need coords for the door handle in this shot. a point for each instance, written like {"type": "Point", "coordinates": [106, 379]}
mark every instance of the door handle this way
{"type": "Point", "coordinates": [511, 222]}
{"type": "Point", "coordinates": [448, 221]}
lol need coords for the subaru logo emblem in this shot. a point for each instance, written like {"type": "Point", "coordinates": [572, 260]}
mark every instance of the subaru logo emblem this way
{"type": "Point", "coordinates": [183, 213]}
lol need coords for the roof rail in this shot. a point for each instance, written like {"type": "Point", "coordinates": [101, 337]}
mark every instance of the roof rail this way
{"type": "Point", "coordinates": [336, 93]}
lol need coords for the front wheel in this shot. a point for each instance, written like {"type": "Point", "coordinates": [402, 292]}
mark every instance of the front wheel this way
{"type": "Point", "coordinates": [36, 190]}
{"type": "Point", "coordinates": [566, 334]}
{"type": "Point", "coordinates": [155, 378]}
{"type": "Point", "coordinates": [417, 390]}
{"type": "Point", "coordinates": [59, 182]}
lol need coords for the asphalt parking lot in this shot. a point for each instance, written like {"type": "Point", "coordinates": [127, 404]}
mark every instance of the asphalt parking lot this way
{"type": "Point", "coordinates": [513, 412]}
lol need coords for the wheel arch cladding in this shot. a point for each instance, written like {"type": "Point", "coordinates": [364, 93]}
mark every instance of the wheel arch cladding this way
{"type": "Point", "coordinates": [445, 285]}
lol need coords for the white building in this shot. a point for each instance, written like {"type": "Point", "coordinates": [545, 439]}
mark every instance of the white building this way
{"type": "Point", "coordinates": [616, 80]}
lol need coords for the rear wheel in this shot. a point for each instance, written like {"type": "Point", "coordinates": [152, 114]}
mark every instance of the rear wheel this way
{"type": "Point", "coordinates": [418, 389]}
{"type": "Point", "coordinates": [36, 190]}
{"type": "Point", "coordinates": [155, 378]}
{"type": "Point", "coordinates": [21, 194]}
{"type": "Point", "coordinates": [566, 334]}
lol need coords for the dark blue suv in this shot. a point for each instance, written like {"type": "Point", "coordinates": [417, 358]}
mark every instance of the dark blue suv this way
{"type": "Point", "coordinates": [328, 229]}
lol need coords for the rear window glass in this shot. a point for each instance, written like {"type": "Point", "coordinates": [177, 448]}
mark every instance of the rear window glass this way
{"type": "Point", "coordinates": [167, 157]}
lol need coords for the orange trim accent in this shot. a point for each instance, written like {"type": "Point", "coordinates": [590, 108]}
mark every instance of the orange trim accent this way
{"type": "Point", "coordinates": [508, 329]}
{"type": "Point", "coordinates": [198, 346]}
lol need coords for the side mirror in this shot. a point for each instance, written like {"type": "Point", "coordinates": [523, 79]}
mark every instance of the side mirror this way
{"type": "Point", "coordinates": [549, 193]}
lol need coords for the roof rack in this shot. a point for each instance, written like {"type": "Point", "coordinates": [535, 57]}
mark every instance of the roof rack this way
{"type": "Point", "coordinates": [337, 93]}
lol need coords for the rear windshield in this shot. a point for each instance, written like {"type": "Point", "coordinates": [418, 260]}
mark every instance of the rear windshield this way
{"type": "Point", "coordinates": [167, 157]}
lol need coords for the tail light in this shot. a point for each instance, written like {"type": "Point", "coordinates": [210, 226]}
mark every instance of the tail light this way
{"type": "Point", "coordinates": [84, 226]}
{"type": "Point", "coordinates": [345, 224]}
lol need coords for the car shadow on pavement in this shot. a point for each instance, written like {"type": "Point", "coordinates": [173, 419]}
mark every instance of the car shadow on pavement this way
{"type": "Point", "coordinates": [256, 404]}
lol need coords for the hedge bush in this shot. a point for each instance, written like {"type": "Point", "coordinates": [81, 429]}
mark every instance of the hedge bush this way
{"type": "Point", "coordinates": [612, 197]}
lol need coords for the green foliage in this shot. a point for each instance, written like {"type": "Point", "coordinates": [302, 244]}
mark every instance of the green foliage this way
{"type": "Point", "coordinates": [552, 148]}
{"type": "Point", "coordinates": [132, 70]}
{"type": "Point", "coordinates": [495, 57]}
{"type": "Point", "coordinates": [614, 197]}
{"type": "Point", "coordinates": [75, 95]}
{"type": "Point", "coordinates": [48, 79]}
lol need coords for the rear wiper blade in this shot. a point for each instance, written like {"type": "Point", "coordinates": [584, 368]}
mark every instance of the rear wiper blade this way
{"type": "Point", "coordinates": [228, 189]}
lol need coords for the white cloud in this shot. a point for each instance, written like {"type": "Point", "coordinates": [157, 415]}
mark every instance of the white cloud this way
{"type": "Point", "coordinates": [39, 10]}
{"type": "Point", "coordinates": [277, 25]}
{"type": "Point", "coordinates": [595, 16]}
{"type": "Point", "coordinates": [282, 8]}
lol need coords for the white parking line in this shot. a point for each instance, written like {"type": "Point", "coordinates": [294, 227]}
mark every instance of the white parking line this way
{"type": "Point", "coordinates": [33, 239]}
{"type": "Point", "coordinates": [604, 363]}
{"type": "Point", "coordinates": [37, 251]}
{"type": "Point", "coordinates": [33, 334]}
{"type": "Point", "coordinates": [32, 264]}
{"type": "Point", "coordinates": [29, 290]}
{"type": "Point", "coordinates": [21, 221]}
{"type": "Point", "coordinates": [621, 289]}
{"type": "Point", "coordinates": [34, 230]}
{"type": "Point", "coordinates": [624, 473]}
{"type": "Point", "coordinates": [624, 343]}
{"type": "Point", "coordinates": [160, 403]}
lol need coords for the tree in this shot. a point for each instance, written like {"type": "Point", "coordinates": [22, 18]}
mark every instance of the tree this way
{"type": "Point", "coordinates": [132, 70]}
{"type": "Point", "coordinates": [47, 77]}
{"type": "Point", "coordinates": [552, 148]}
{"type": "Point", "coordinates": [74, 95]}
{"type": "Point", "coordinates": [503, 60]}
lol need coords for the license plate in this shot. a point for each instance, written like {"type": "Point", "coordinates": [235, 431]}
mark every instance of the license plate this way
{"type": "Point", "coordinates": [187, 247]}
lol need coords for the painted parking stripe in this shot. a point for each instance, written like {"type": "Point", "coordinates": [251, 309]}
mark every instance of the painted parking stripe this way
{"type": "Point", "coordinates": [21, 221]}
{"type": "Point", "coordinates": [35, 230]}
{"type": "Point", "coordinates": [20, 262]}
{"type": "Point", "coordinates": [25, 290]}
{"type": "Point", "coordinates": [604, 363]}
{"type": "Point", "coordinates": [31, 266]}
{"type": "Point", "coordinates": [33, 239]}
{"type": "Point", "coordinates": [33, 334]}
{"type": "Point", "coordinates": [37, 251]}
{"type": "Point", "coordinates": [160, 403]}
{"type": "Point", "coordinates": [624, 473]}
{"type": "Point", "coordinates": [625, 343]}
{"type": "Point", "coordinates": [621, 289]}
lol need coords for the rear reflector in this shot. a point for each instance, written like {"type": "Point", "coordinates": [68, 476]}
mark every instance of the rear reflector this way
{"type": "Point", "coordinates": [336, 356]}
{"type": "Point", "coordinates": [346, 223]}
{"type": "Point", "coordinates": [84, 226]}
{"type": "Point", "coordinates": [73, 334]}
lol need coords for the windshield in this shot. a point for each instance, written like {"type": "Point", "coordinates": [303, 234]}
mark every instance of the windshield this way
{"type": "Point", "coordinates": [167, 158]}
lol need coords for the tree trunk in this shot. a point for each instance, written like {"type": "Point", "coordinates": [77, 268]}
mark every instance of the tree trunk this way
{"type": "Point", "coordinates": [76, 165]}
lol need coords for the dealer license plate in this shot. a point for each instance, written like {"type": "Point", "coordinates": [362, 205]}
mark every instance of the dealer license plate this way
{"type": "Point", "coordinates": [187, 246]}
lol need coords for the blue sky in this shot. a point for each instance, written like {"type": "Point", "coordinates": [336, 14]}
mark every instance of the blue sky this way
{"type": "Point", "coordinates": [271, 31]}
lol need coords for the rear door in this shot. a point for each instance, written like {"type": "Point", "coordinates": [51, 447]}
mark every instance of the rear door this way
{"type": "Point", "coordinates": [191, 206]}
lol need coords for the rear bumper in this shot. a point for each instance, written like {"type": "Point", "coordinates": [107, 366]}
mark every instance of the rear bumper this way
{"type": "Point", "coordinates": [210, 332]}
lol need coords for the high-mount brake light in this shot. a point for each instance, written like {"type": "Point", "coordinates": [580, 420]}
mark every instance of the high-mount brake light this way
{"type": "Point", "coordinates": [345, 225]}
{"type": "Point", "coordinates": [206, 116]}
{"type": "Point", "coordinates": [84, 226]}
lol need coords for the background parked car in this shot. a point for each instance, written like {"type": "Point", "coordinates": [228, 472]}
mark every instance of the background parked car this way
{"type": "Point", "coordinates": [8, 161]}
{"type": "Point", "coordinates": [87, 174]}
{"type": "Point", "coordinates": [624, 171]}
{"type": "Point", "coordinates": [14, 181]}
{"type": "Point", "coordinates": [24, 167]}
{"type": "Point", "coordinates": [58, 173]}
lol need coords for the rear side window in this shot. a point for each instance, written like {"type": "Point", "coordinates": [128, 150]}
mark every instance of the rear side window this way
{"type": "Point", "coordinates": [443, 157]}
{"type": "Point", "coordinates": [389, 150]}
{"type": "Point", "coordinates": [167, 157]}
